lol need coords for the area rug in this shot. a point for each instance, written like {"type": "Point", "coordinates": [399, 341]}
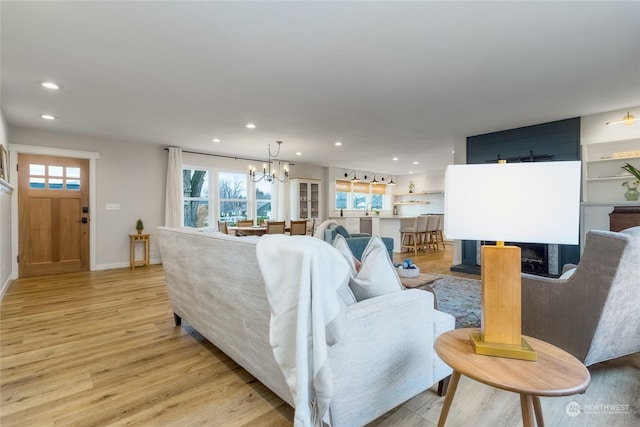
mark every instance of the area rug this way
{"type": "Point", "coordinates": [459, 297]}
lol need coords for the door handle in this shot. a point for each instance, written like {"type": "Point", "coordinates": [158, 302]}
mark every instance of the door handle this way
{"type": "Point", "coordinates": [83, 220]}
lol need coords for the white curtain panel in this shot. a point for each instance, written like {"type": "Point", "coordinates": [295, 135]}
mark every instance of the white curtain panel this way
{"type": "Point", "coordinates": [280, 196]}
{"type": "Point", "coordinates": [173, 203]}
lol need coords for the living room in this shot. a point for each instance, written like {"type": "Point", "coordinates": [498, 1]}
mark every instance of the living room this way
{"type": "Point", "coordinates": [130, 170]}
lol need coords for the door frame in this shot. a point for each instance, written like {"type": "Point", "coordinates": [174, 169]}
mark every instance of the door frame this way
{"type": "Point", "coordinates": [92, 156]}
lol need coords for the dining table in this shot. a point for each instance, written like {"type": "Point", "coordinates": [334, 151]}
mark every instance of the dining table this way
{"type": "Point", "coordinates": [254, 230]}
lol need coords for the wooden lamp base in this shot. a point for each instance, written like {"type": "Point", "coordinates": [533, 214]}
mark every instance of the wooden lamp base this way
{"type": "Point", "coordinates": [501, 306]}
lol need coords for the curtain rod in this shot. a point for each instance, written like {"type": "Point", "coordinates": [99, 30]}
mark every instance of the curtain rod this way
{"type": "Point", "coordinates": [231, 157]}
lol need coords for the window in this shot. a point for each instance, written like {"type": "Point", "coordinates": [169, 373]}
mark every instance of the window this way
{"type": "Point", "coordinates": [359, 195]}
{"type": "Point", "coordinates": [53, 177]}
{"type": "Point", "coordinates": [233, 196]}
{"type": "Point", "coordinates": [263, 200]}
{"type": "Point", "coordinates": [343, 188]}
{"type": "Point", "coordinates": [195, 186]}
{"type": "Point", "coordinates": [377, 193]}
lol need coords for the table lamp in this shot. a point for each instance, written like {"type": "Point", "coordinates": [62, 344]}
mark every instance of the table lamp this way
{"type": "Point", "coordinates": [516, 202]}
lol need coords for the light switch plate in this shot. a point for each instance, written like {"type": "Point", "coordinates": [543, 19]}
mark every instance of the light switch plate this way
{"type": "Point", "coordinates": [113, 206]}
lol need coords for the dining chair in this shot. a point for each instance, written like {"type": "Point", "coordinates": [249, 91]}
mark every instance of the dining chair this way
{"type": "Point", "coordinates": [222, 227]}
{"type": "Point", "coordinates": [298, 228]}
{"type": "Point", "coordinates": [243, 223]}
{"type": "Point", "coordinates": [275, 227]}
{"type": "Point", "coordinates": [311, 226]}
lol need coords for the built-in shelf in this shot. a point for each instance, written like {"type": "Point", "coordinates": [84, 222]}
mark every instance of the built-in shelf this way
{"type": "Point", "coordinates": [602, 169]}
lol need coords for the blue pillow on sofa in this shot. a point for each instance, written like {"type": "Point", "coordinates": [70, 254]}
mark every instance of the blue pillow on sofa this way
{"type": "Point", "coordinates": [342, 231]}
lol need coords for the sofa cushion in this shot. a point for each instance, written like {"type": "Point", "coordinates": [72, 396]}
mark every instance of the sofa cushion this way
{"type": "Point", "coordinates": [377, 276]}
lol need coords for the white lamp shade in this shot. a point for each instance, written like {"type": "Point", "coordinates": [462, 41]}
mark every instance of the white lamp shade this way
{"type": "Point", "coordinates": [515, 202]}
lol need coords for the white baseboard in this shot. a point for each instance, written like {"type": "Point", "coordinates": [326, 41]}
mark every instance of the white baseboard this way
{"type": "Point", "coordinates": [5, 286]}
{"type": "Point", "coordinates": [99, 267]}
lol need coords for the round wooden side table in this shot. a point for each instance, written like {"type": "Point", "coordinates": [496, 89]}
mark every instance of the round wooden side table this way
{"type": "Point", "coordinates": [555, 373]}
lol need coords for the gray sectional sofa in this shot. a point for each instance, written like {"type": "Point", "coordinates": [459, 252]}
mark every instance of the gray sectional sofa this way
{"type": "Point", "coordinates": [384, 358]}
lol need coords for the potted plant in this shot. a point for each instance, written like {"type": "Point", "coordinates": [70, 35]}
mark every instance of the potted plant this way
{"type": "Point", "coordinates": [139, 226]}
{"type": "Point", "coordinates": [632, 193]}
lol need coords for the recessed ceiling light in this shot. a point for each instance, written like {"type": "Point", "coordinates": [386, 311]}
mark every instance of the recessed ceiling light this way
{"type": "Point", "coordinates": [216, 140]}
{"type": "Point", "coordinates": [250, 126]}
{"type": "Point", "coordinates": [416, 163]}
{"type": "Point", "coordinates": [394, 159]}
{"type": "Point", "coordinates": [48, 116]}
{"type": "Point", "coordinates": [50, 85]}
{"type": "Point", "coordinates": [338, 144]}
{"type": "Point", "coordinates": [410, 172]}
{"type": "Point", "coordinates": [298, 153]}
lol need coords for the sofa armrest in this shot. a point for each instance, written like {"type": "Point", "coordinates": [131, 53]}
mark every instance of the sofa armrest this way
{"type": "Point", "coordinates": [387, 340]}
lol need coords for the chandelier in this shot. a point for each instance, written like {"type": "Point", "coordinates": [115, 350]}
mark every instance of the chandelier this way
{"type": "Point", "coordinates": [267, 174]}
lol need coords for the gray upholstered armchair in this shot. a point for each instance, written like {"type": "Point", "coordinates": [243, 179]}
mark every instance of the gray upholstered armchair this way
{"type": "Point", "coordinates": [595, 313]}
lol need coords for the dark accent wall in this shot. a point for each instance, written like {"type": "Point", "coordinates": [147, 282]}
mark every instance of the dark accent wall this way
{"type": "Point", "coordinates": [554, 141]}
{"type": "Point", "coordinates": [560, 139]}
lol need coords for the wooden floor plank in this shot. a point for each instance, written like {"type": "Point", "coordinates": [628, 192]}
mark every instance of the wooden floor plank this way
{"type": "Point", "coordinates": [100, 348]}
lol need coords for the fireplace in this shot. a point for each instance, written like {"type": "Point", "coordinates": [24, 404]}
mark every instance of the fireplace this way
{"type": "Point", "coordinates": [536, 258]}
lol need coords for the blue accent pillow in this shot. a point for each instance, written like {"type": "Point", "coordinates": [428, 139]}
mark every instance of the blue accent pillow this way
{"type": "Point", "coordinates": [342, 231]}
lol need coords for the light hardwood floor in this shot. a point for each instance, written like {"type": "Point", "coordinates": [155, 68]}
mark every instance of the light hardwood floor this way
{"type": "Point", "coordinates": [101, 348]}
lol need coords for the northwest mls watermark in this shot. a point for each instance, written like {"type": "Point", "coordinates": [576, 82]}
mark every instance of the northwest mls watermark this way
{"type": "Point", "coordinates": [574, 409]}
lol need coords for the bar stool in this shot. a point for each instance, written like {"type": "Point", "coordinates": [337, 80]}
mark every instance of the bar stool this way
{"type": "Point", "coordinates": [439, 235]}
{"type": "Point", "coordinates": [408, 228]}
{"type": "Point", "coordinates": [429, 235]}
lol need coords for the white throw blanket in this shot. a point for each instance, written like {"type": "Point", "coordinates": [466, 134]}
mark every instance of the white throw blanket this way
{"type": "Point", "coordinates": [302, 277]}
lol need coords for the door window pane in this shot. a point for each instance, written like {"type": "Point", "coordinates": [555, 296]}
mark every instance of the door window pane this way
{"type": "Point", "coordinates": [36, 183]}
{"type": "Point", "coordinates": [37, 170]}
{"type": "Point", "coordinates": [55, 171]}
{"type": "Point", "coordinates": [73, 184]}
{"type": "Point", "coordinates": [55, 184]}
{"type": "Point", "coordinates": [73, 172]}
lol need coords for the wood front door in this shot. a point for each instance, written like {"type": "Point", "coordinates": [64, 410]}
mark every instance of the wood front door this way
{"type": "Point", "coordinates": [53, 211]}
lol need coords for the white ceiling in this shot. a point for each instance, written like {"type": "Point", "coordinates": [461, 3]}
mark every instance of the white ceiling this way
{"type": "Point", "coordinates": [387, 79]}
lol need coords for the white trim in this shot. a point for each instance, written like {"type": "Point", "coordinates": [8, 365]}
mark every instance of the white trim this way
{"type": "Point", "coordinates": [5, 286]}
{"type": "Point", "coordinates": [116, 265]}
{"type": "Point", "coordinates": [59, 152]}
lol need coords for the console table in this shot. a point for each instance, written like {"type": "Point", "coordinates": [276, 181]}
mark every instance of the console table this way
{"type": "Point", "coordinates": [133, 239]}
{"type": "Point", "coordinates": [623, 217]}
{"type": "Point", "coordinates": [555, 373]}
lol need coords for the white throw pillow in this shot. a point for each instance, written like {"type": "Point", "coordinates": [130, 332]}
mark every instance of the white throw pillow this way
{"type": "Point", "coordinates": [377, 276]}
{"type": "Point", "coordinates": [345, 291]}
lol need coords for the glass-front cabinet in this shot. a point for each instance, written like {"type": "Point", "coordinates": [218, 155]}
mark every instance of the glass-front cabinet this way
{"type": "Point", "coordinates": [307, 199]}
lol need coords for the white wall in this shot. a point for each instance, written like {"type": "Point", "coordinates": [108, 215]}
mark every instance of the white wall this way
{"type": "Point", "coordinates": [5, 219]}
